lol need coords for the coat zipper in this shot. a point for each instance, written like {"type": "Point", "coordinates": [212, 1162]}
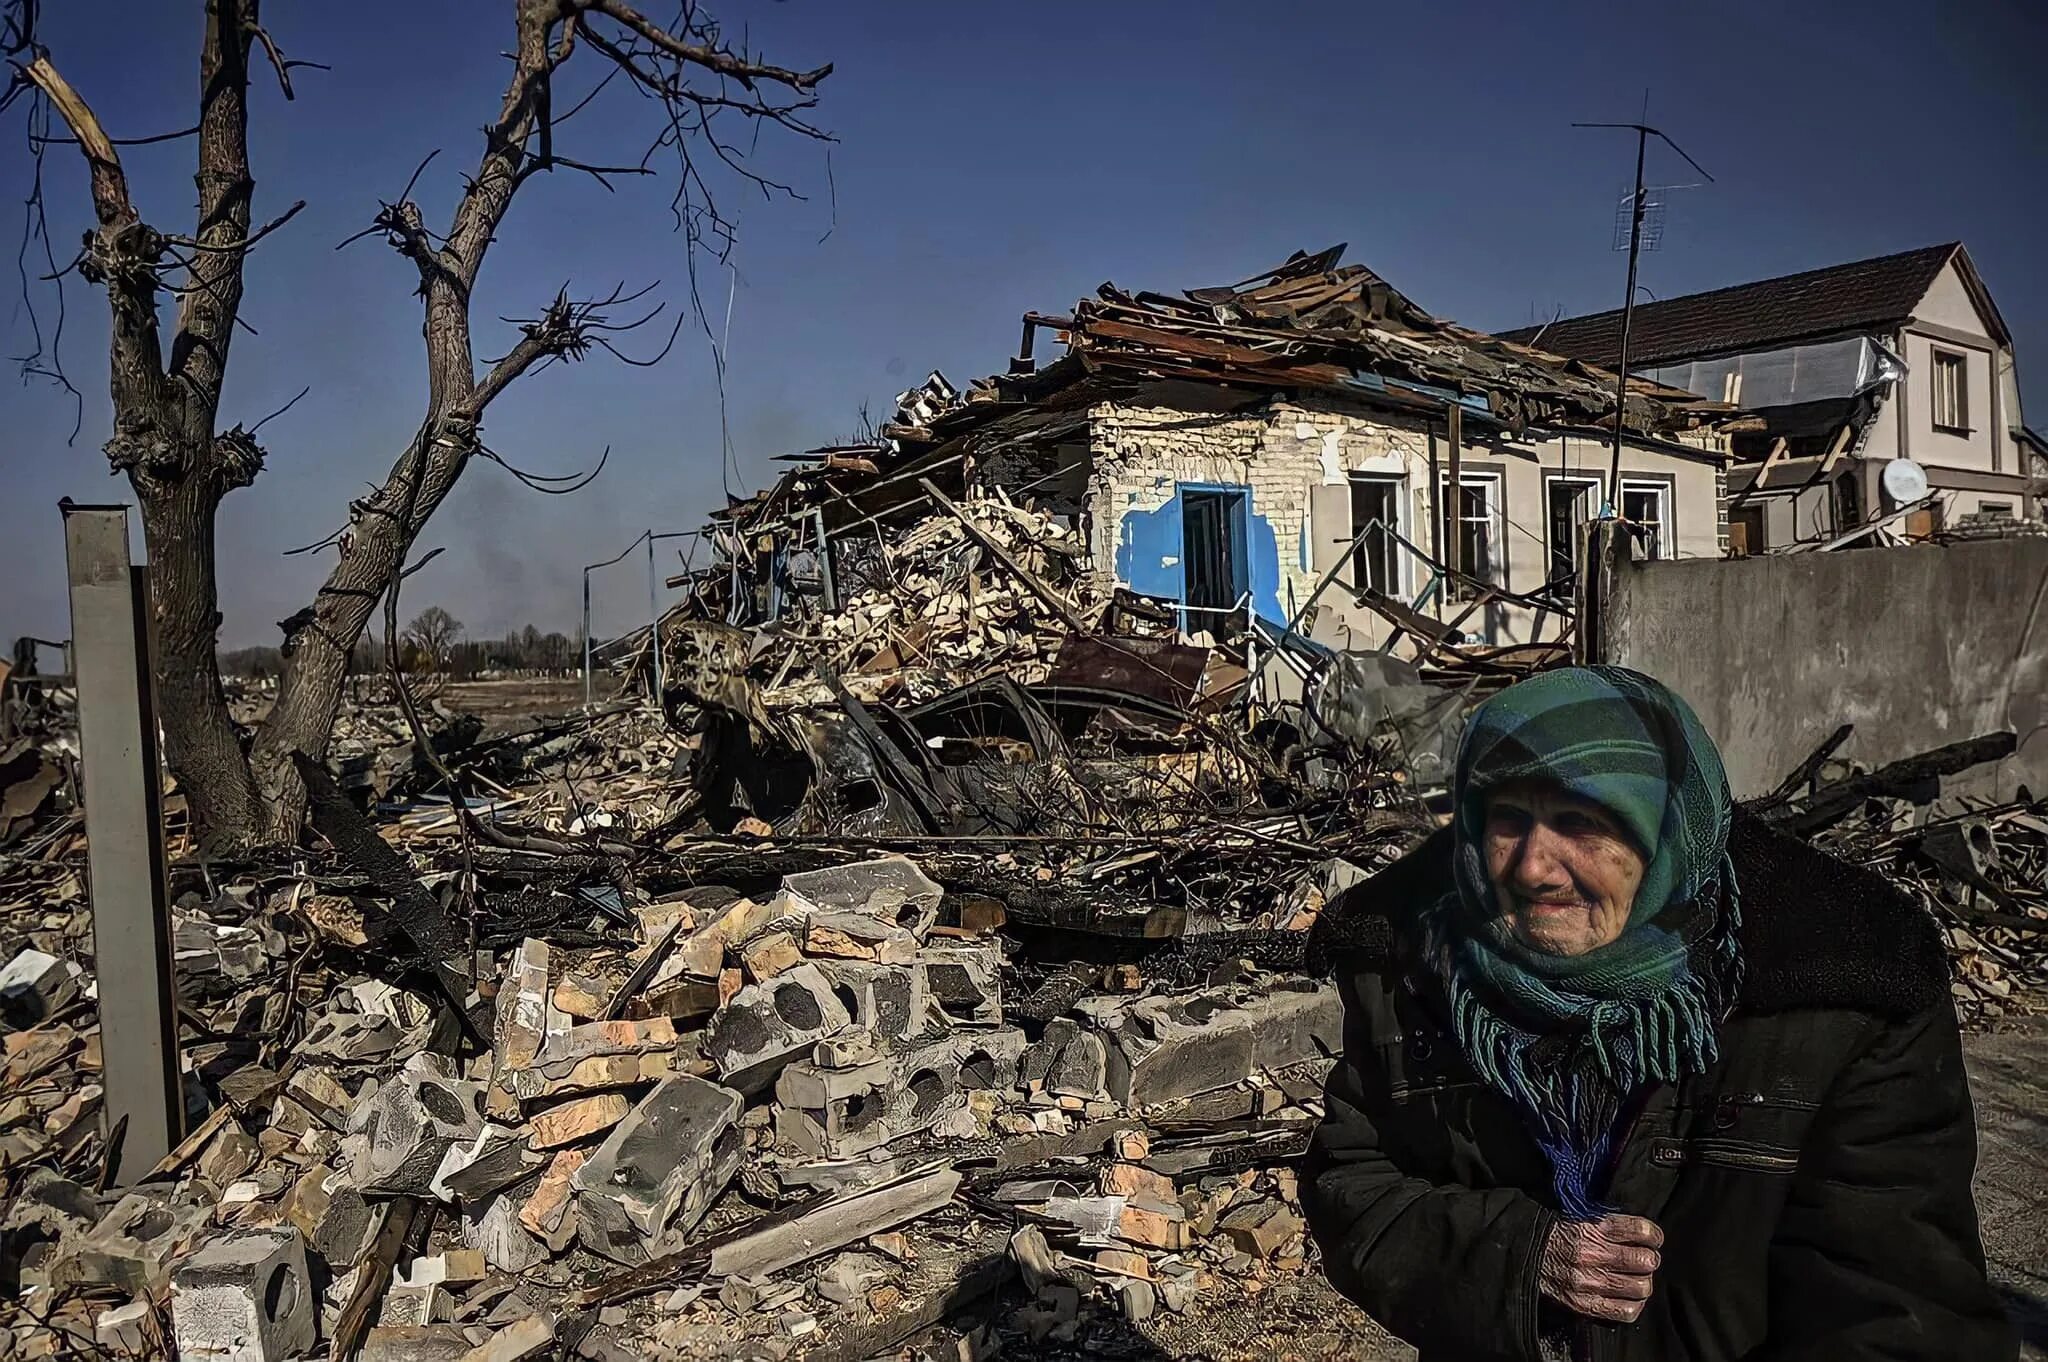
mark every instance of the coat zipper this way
{"type": "Point", "coordinates": [1728, 1154]}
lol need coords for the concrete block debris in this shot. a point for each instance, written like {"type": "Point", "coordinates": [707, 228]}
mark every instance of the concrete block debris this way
{"type": "Point", "coordinates": [890, 889]}
{"type": "Point", "coordinates": [1164, 1048]}
{"type": "Point", "coordinates": [966, 982]}
{"type": "Point", "coordinates": [660, 1169]}
{"type": "Point", "coordinates": [407, 1129]}
{"type": "Point", "coordinates": [842, 1110]}
{"type": "Point", "coordinates": [767, 1025]}
{"type": "Point", "coordinates": [245, 1297]}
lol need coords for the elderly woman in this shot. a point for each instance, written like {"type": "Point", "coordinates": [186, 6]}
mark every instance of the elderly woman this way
{"type": "Point", "coordinates": [1629, 1075]}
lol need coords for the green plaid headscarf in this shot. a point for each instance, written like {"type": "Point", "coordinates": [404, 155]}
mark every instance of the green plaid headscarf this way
{"type": "Point", "coordinates": [1568, 1039]}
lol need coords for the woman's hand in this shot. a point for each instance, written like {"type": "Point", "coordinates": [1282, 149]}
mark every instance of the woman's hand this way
{"type": "Point", "coordinates": [1602, 1269]}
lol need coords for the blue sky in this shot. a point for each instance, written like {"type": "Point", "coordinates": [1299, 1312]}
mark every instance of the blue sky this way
{"type": "Point", "coordinates": [992, 159]}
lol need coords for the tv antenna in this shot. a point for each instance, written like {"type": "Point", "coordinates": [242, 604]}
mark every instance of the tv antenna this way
{"type": "Point", "coordinates": [1638, 206]}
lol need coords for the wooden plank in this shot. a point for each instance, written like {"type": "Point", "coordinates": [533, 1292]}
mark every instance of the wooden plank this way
{"type": "Point", "coordinates": [1052, 599]}
{"type": "Point", "coordinates": [1836, 449]}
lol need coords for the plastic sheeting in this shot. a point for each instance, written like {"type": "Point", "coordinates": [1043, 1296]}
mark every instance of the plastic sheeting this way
{"type": "Point", "coordinates": [1787, 375]}
{"type": "Point", "coordinates": [1372, 701]}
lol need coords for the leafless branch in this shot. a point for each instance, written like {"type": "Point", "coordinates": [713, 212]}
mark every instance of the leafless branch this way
{"type": "Point", "coordinates": [281, 410]}
{"type": "Point", "coordinates": [190, 244]}
{"type": "Point", "coordinates": [192, 131]}
{"type": "Point", "coordinates": [709, 56]}
{"type": "Point", "coordinates": [278, 62]}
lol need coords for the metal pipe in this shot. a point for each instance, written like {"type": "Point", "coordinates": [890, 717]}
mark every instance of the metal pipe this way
{"type": "Point", "coordinates": [654, 618]}
{"type": "Point", "coordinates": [1628, 314]}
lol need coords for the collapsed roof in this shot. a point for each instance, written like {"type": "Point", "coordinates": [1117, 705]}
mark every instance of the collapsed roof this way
{"type": "Point", "coordinates": [1310, 325]}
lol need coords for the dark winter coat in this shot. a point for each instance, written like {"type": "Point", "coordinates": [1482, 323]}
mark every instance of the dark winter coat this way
{"type": "Point", "coordinates": [1813, 1186]}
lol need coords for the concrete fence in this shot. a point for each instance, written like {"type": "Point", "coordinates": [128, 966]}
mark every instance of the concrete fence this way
{"type": "Point", "coordinates": [1915, 646]}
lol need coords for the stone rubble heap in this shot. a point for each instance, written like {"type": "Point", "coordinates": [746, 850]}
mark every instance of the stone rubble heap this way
{"type": "Point", "coordinates": [765, 1123]}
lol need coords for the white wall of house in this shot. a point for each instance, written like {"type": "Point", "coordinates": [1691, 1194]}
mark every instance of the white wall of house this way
{"type": "Point", "coordinates": [1946, 323]}
{"type": "Point", "coordinates": [1311, 469]}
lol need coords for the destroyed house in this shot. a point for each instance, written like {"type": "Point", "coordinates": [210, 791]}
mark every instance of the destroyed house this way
{"type": "Point", "coordinates": [1307, 455]}
{"type": "Point", "coordinates": [1849, 368]}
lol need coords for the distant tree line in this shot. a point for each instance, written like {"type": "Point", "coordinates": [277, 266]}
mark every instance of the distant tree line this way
{"type": "Point", "coordinates": [432, 644]}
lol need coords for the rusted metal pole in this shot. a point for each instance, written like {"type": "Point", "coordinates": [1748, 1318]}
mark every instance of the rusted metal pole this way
{"type": "Point", "coordinates": [131, 923]}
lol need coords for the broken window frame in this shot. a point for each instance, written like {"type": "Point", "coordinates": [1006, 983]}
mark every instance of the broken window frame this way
{"type": "Point", "coordinates": [1660, 540]}
{"type": "Point", "coordinates": [1563, 558]}
{"type": "Point", "coordinates": [1489, 534]}
{"type": "Point", "coordinates": [1382, 550]}
{"type": "Point", "coordinates": [1743, 518]}
{"type": "Point", "coordinates": [1949, 376]}
{"type": "Point", "coordinates": [1235, 501]}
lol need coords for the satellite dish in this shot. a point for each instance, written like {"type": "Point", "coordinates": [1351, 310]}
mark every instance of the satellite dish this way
{"type": "Point", "coordinates": [1904, 481]}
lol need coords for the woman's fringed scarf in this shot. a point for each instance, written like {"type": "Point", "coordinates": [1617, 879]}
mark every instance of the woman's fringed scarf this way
{"type": "Point", "coordinates": [1569, 1039]}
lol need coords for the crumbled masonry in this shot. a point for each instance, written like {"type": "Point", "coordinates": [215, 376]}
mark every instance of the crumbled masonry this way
{"type": "Point", "coordinates": [939, 978]}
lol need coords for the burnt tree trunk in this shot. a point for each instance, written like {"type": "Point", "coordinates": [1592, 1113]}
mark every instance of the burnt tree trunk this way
{"type": "Point", "coordinates": [164, 412]}
{"type": "Point", "coordinates": [383, 528]}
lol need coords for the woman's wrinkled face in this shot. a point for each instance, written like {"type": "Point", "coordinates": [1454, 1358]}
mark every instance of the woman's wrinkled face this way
{"type": "Point", "coordinates": [1563, 871]}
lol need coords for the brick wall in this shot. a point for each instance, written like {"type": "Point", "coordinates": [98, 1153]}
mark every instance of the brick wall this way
{"type": "Point", "coordinates": [1282, 450]}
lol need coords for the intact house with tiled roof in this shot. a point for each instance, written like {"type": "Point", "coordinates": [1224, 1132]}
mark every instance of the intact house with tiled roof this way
{"type": "Point", "coordinates": [1849, 368]}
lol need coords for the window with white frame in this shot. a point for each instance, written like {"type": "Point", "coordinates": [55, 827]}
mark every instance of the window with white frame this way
{"type": "Point", "coordinates": [1569, 502]}
{"type": "Point", "coordinates": [1951, 392]}
{"type": "Point", "coordinates": [1647, 505]}
{"type": "Point", "coordinates": [1376, 516]}
{"type": "Point", "coordinates": [1472, 513]}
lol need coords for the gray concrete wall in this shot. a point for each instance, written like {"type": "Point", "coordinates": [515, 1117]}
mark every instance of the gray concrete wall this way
{"type": "Point", "coordinates": [1916, 646]}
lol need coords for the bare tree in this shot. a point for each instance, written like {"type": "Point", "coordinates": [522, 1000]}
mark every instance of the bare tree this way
{"type": "Point", "coordinates": [167, 437]}
{"type": "Point", "coordinates": [434, 631]}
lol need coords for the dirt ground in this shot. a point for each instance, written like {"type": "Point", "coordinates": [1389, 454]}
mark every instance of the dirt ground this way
{"type": "Point", "coordinates": [500, 703]}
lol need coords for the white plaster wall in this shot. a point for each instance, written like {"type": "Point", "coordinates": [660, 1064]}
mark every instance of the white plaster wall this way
{"type": "Point", "coordinates": [1988, 445]}
{"type": "Point", "coordinates": [1297, 456]}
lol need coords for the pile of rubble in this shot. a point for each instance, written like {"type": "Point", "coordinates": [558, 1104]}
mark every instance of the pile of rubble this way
{"type": "Point", "coordinates": [1024, 1049]}
{"type": "Point", "coordinates": [943, 603]}
{"type": "Point", "coordinates": [1983, 875]}
{"type": "Point", "coordinates": [1980, 868]}
{"type": "Point", "coordinates": [748, 1097]}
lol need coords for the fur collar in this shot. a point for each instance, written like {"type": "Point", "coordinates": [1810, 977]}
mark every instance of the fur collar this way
{"type": "Point", "coordinates": [1817, 932]}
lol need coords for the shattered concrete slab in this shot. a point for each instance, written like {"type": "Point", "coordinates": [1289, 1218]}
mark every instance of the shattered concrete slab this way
{"type": "Point", "coordinates": [408, 1128]}
{"type": "Point", "coordinates": [132, 1248]}
{"type": "Point", "coordinates": [834, 1225]}
{"type": "Point", "coordinates": [660, 1169]}
{"type": "Point", "coordinates": [1165, 1048]}
{"type": "Point", "coordinates": [891, 889]}
{"type": "Point", "coordinates": [498, 1157]}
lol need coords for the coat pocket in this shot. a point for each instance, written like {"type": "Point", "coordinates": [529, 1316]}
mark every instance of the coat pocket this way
{"type": "Point", "coordinates": [1742, 1155]}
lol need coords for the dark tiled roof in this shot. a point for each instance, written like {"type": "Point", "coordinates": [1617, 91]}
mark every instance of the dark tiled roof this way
{"type": "Point", "coordinates": [1864, 293]}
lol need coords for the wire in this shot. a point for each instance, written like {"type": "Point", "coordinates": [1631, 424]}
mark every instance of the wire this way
{"type": "Point", "coordinates": [728, 469]}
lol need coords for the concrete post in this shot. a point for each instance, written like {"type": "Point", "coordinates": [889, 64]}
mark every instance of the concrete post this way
{"type": "Point", "coordinates": [124, 837]}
